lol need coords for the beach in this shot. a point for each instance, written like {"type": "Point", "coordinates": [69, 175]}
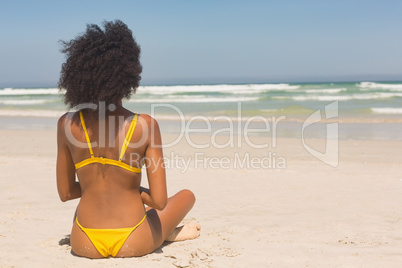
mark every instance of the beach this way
{"type": "Point", "coordinates": [285, 208]}
{"type": "Point", "coordinates": [285, 175]}
{"type": "Point", "coordinates": [284, 118]}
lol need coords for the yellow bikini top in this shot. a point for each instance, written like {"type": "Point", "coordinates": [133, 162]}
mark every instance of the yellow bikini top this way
{"type": "Point", "coordinates": [107, 161]}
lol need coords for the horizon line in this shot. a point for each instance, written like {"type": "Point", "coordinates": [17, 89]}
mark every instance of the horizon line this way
{"type": "Point", "coordinates": [233, 81]}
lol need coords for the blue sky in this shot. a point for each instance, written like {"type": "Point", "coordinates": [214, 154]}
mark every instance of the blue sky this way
{"type": "Point", "coordinates": [190, 42]}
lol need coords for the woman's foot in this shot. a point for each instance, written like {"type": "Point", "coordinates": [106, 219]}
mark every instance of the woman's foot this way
{"type": "Point", "coordinates": [187, 231]}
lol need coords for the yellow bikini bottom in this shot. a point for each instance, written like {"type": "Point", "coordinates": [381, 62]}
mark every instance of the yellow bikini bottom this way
{"type": "Point", "coordinates": [108, 241]}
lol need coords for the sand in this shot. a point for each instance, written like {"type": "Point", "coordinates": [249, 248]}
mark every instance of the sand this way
{"type": "Point", "coordinates": [303, 214]}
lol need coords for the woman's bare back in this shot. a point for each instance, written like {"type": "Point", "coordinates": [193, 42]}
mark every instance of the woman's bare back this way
{"type": "Point", "coordinates": [110, 196]}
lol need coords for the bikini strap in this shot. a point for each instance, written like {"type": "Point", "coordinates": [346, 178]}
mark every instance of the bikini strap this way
{"type": "Point", "coordinates": [128, 137]}
{"type": "Point", "coordinates": [86, 134]}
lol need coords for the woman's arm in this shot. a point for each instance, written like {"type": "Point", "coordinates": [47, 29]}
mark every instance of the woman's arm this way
{"type": "Point", "coordinates": [156, 196]}
{"type": "Point", "coordinates": [145, 196]}
{"type": "Point", "coordinates": [67, 187]}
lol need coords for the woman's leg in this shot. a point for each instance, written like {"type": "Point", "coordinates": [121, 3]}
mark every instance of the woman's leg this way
{"type": "Point", "coordinates": [159, 225]}
{"type": "Point", "coordinates": [176, 209]}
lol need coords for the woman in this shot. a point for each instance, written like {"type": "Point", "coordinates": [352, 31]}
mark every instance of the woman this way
{"type": "Point", "coordinates": [106, 145]}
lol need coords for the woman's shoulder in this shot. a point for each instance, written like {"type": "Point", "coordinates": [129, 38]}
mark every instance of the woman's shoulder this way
{"type": "Point", "coordinates": [68, 117]}
{"type": "Point", "coordinates": [146, 118]}
{"type": "Point", "coordinates": [148, 122]}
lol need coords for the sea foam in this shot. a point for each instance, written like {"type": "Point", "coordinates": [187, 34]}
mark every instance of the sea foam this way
{"type": "Point", "coordinates": [24, 91]}
{"type": "Point", "coordinates": [372, 85]}
{"type": "Point", "coordinates": [376, 95]}
{"type": "Point", "coordinates": [193, 99]}
{"type": "Point", "coordinates": [387, 110]}
{"type": "Point", "coordinates": [22, 102]}
{"type": "Point", "coordinates": [222, 88]}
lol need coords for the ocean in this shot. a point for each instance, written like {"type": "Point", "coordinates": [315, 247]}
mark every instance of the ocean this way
{"type": "Point", "coordinates": [355, 99]}
{"type": "Point", "coordinates": [361, 102]}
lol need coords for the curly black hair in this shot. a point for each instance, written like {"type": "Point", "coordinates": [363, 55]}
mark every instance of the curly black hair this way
{"type": "Point", "coordinates": [101, 65]}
